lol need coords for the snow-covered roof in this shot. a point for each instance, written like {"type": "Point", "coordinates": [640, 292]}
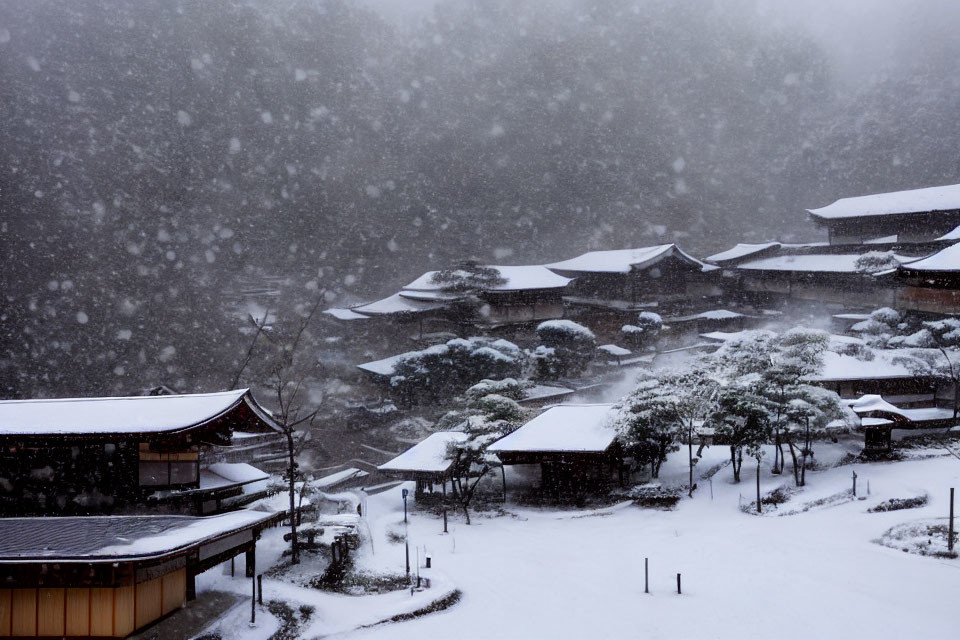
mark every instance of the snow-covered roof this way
{"type": "Point", "coordinates": [339, 477]}
{"type": "Point", "coordinates": [823, 263]}
{"type": "Point", "coordinates": [945, 198]}
{"type": "Point", "coordinates": [873, 402]}
{"type": "Point", "coordinates": [741, 250]}
{"type": "Point", "coordinates": [587, 428]}
{"type": "Point", "coordinates": [614, 350]}
{"type": "Point", "coordinates": [238, 472]}
{"type": "Point", "coordinates": [622, 260]}
{"type": "Point", "coordinates": [544, 391]}
{"type": "Point", "coordinates": [345, 314]}
{"type": "Point", "coordinates": [852, 316]}
{"type": "Point", "coordinates": [517, 278]}
{"type": "Point", "coordinates": [123, 415]}
{"type": "Point", "coordinates": [396, 304]}
{"type": "Point", "coordinates": [946, 260]}
{"type": "Point", "coordinates": [115, 538]}
{"type": "Point", "coordinates": [386, 366]}
{"type": "Point", "coordinates": [838, 366]}
{"type": "Point", "coordinates": [429, 456]}
{"type": "Point", "coordinates": [951, 235]}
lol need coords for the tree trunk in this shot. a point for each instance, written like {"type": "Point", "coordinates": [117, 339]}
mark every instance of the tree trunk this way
{"type": "Point", "coordinates": [733, 463]}
{"type": "Point", "coordinates": [294, 544]}
{"type": "Point", "coordinates": [759, 504]}
{"type": "Point", "coordinates": [466, 512]}
{"type": "Point", "coordinates": [796, 467]}
{"type": "Point", "coordinates": [777, 453]}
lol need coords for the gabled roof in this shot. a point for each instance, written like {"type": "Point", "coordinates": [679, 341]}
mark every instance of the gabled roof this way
{"type": "Point", "coordinates": [568, 428]}
{"type": "Point", "coordinates": [429, 456]}
{"type": "Point", "coordinates": [624, 260]}
{"type": "Point", "coordinates": [131, 415]}
{"type": "Point", "coordinates": [517, 278]}
{"type": "Point", "coordinates": [928, 200]}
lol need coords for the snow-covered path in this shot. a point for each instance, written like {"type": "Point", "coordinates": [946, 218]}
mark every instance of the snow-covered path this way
{"type": "Point", "coordinates": [815, 574]}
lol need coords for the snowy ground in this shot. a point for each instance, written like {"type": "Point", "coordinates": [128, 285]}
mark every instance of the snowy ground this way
{"type": "Point", "coordinates": [808, 569]}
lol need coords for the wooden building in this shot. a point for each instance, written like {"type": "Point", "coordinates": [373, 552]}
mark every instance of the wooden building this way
{"type": "Point", "coordinates": [916, 215]}
{"type": "Point", "coordinates": [108, 576]}
{"type": "Point", "coordinates": [428, 462]}
{"type": "Point", "coordinates": [81, 456]}
{"type": "Point", "coordinates": [931, 284]}
{"type": "Point", "coordinates": [851, 377]}
{"type": "Point", "coordinates": [524, 294]}
{"type": "Point", "coordinates": [610, 287]}
{"type": "Point", "coordinates": [575, 446]}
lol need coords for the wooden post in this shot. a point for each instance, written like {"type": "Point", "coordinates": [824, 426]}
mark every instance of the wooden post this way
{"type": "Point", "coordinates": [253, 602]}
{"type": "Point", "coordinates": [260, 588]}
{"type": "Point", "coordinates": [232, 574]}
{"type": "Point", "coordinates": [854, 483]}
{"type": "Point", "coordinates": [503, 476]}
{"type": "Point", "coordinates": [251, 558]}
{"type": "Point", "coordinates": [950, 533]}
{"type": "Point", "coordinates": [406, 544]}
{"type": "Point", "coordinates": [427, 562]}
{"type": "Point", "coordinates": [445, 520]}
{"type": "Point", "coordinates": [678, 584]}
{"type": "Point", "coordinates": [646, 575]}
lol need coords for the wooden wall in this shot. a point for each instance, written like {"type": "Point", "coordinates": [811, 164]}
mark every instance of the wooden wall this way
{"type": "Point", "coordinates": [103, 612]}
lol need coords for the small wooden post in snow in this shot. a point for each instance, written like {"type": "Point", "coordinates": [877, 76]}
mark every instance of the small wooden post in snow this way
{"type": "Point", "coordinates": [950, 532]}
{"type": "Point", "coordinates": [646, 575]}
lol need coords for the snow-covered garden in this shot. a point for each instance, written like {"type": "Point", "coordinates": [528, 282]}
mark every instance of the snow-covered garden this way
{"type": "Point", "coordinates": [818, 565]}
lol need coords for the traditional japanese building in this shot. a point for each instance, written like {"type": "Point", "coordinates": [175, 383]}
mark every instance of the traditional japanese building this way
{"type": "Point", "coordinates": [428, 462]}
{"type": "Point", "coordinates": [916, 215]}
{"type": "Point", "coordinates": [108, 576]}
{"type": "Point", "coordinates": [513, 295]}
{"type": "Point", "coordinates": [575, 446]}
{"type": "Point", "coordinates": [611, 287]}
{"type": "Point", "coordinates": [169, 453]}
{"type": "Point", "coordinates": [931, 284]}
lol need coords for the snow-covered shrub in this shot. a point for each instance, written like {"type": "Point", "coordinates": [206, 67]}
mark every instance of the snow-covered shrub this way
{"type": "Point", "coordinates": [566, 348]}
{"type": "Point", "coordinates": [497, 407]}
{"type": "Point", "coordinates": [858, 350]}
{"type": "Point", "coordinates": [647, 328]}
{"type": "Point", "coordinates": [508, 387]}
{"type": "Point", "coordinates": [877, 261]}
{"type": "Point", "coordinates": [445, 369]}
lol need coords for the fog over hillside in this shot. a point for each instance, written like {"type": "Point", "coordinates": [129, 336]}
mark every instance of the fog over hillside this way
{"type": "Point", "coordinates": [167, 163]}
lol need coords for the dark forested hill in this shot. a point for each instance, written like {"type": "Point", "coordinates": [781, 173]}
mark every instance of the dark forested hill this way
{"type": "Point", "coordinates": [156, 155]}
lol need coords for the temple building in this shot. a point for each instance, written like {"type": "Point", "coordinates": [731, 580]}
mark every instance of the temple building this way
{"type": "Point", "coordinates": [915, 215]}
{"type": "Point", "coordinates": [168, 454]}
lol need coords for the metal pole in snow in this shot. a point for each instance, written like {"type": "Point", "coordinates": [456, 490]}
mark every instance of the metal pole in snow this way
{"type": "Point", "coordinates": [678, 585]}
{"type": "Point", "coordinates": [445, 520]}
{"type": "Point", "coordinates": [646, 575]}
{"type": "Point", "coordinates": [406, 543]}
{"type": "Point", "coordinates": [260, 588]}
{"type": "Point", "coordinates": [854, 483]}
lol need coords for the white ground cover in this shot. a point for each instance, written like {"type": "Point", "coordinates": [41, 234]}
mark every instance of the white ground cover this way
{"type": "Point", "coordinates": [809, 569]}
